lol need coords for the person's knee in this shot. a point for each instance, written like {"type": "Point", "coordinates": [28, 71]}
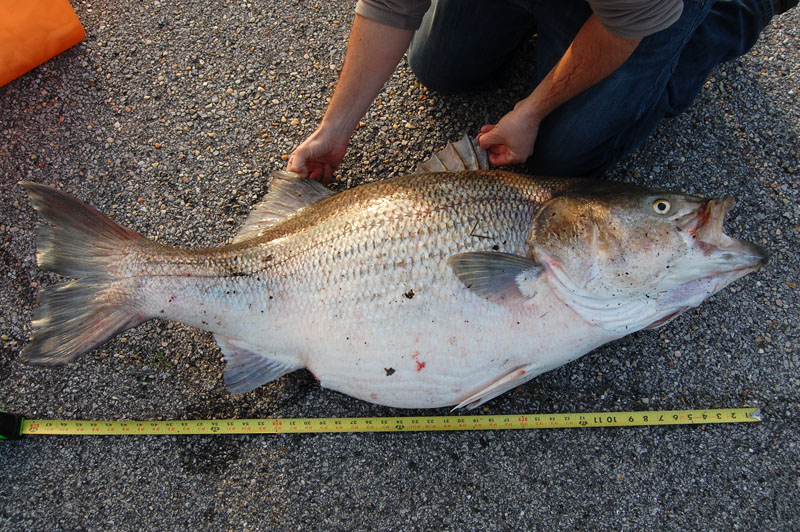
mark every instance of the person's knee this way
{"type": "Point", "coordinates": [426, 71]}
{"type": "Point", "coordinates": [568, 158]}
{"type": "Point", "coordinates": [436, 70]}
{"type": "Point", "coordinates": [585, 138]}
{"type": "Point", "coordinates": [545, 165]}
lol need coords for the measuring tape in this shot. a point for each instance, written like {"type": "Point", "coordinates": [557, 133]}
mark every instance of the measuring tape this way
{"type": "Point", "coordinates": [15, 426]}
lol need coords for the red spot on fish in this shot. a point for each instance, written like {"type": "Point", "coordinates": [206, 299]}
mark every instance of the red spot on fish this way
{"type": "Point", "coordinates": [415, 355]}
{"type": "Point", "coordinates": [373, 396]}
{"type": "Point", "coordinates": [420, 365]}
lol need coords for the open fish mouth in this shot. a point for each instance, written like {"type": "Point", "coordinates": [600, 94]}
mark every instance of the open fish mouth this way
{"type": "Point", "coordinates": [725, 259]}
{"type": "Point", "coordinates": [705, 226]}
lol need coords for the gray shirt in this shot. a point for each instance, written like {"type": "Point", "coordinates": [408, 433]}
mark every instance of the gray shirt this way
{"type": "Point", "coordinates": [631, 19]}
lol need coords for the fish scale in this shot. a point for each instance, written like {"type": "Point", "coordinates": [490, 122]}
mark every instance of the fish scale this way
{"type": "Point", "coordinates": [344, 239]}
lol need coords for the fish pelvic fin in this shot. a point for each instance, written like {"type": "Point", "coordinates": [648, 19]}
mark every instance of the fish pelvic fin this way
{"type": "Point", "coordinates": [247, 367]}
{"type": "Point", "coordinates": [78, 315]}
{"type": "Point", "coordinates": [465, 154]}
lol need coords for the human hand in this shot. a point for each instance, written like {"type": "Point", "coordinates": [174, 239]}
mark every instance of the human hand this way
{"type": "Point", "coordinates": [511, 140]}
{"type": "Point", "coordinates": [318, 156]}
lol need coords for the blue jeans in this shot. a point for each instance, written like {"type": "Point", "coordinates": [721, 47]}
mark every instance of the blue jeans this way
{"type": "Point", "coordinates": [462, 44]}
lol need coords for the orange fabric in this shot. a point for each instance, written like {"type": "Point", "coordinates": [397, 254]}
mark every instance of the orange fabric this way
{"type": "Point", "coordinates": [33, 31]}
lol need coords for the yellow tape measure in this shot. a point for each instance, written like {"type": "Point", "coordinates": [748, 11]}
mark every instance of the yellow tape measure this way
{"type": "Point", "coordinates": [389, 424]}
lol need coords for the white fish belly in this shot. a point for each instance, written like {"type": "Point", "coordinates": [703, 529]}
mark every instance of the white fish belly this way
{"type": "Point", "coordinates": [439, 351]}
{"type": "Point", "coordinates": [418, 347]}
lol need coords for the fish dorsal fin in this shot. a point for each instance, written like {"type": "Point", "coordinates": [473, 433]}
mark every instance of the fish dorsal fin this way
{"type": "Point", "coordinates": [465, 154]}
{"type": "Point", "coordinates": [498, 277]}
{"type": "Point", "coordinates": [288, 194]}
{"type": "Point", "coordinates": [247, 367]}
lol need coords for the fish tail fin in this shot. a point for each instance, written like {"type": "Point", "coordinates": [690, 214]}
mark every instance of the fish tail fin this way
{"type": "Point", "coordinates": [76, 316]}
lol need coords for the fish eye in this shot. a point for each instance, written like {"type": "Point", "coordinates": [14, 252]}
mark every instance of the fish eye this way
{"type": "Point", "coordinates": [661, 206]}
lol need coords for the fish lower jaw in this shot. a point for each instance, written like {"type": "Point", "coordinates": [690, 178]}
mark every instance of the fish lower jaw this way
{"type": "Point", "coordinates": [718, 281]}
{"type": "Point", "coordinates": [694, 292]}
{"type": "Point", "coordinates": [722, 266]}
{"type": "Point", "coordinates": [723, 252]}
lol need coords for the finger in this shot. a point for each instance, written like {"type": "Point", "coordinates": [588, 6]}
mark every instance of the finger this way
{"type": "Point", "coordinates": [497, 159]}
{"type": "Point", "coordinates": [316, 174]}
{"type": "Point", "coordinates": [489, 139]}
{"type": "Point", "coordinates": [503, 159]}
{"type": "Point", "coordinates": [297, 165]}
{"type": "Point", "coordinates": [498, 154]}
{"type": "Point", "coordinates": [321, 174]}
{"type": "Point", "coordinates": [487, 128]}
{"type": "Point", "coordinates": [327, 175]}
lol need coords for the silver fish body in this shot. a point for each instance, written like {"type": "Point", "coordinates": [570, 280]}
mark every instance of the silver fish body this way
{"type": "Point", "coordinates": [427, 290]}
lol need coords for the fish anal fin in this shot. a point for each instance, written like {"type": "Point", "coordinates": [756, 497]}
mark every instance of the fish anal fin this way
{"type": "Point", "coordinates": [465, 154]}
{"type": "Point", "coordinates": [288, 194]}
{"type": "Point", "coordinates": [247, 366]}
{"type": "Point", "coordinates": [497, 277]}
{"type": "Point", "coordinates": [516, 377]}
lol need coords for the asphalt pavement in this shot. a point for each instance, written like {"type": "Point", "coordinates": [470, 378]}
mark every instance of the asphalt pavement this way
{"type": "Point", "coordinates": [171, 116]}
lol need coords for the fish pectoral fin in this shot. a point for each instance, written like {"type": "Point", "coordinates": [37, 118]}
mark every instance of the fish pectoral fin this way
{"type": "Point", "coordinates": [465, 154]}
{"type": "Point", "coordinates": [288, 194]}
{"type": "Point", "coordinates": [498, 277]}
{"type": "Point", "coordinates": [516, 377]}
{"type": "Point", "coordinates": [247, 367]}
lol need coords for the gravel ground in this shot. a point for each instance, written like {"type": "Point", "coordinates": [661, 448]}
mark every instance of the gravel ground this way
{"type": "Point", "coordinates": [171, 116]}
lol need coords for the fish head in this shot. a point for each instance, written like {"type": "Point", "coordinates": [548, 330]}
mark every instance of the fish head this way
{"type": "Point", "coordinates": [635, 257]}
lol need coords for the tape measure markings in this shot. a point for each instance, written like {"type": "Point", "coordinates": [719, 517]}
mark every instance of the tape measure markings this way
{"type": "Point", "coordinates": [390, 424]}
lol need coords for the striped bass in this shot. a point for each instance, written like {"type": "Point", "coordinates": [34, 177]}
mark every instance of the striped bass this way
{"type": "Point", "coordinates": [428, 290]}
